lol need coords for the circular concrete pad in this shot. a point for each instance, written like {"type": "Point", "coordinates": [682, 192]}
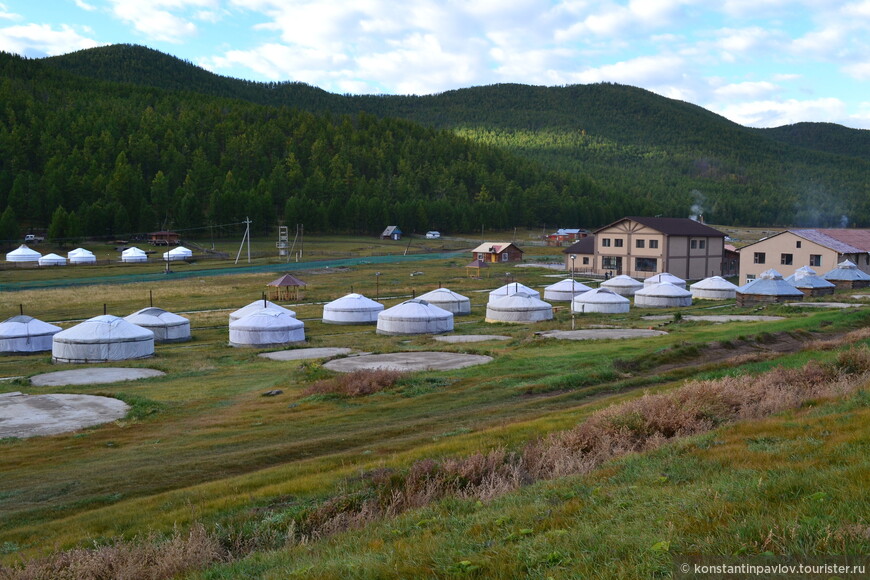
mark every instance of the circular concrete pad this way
{"type": "Point", "coordinates": [306, 353]}
{"type": "Point", "coordinates": [823, 305]}
{"type": "Point", "coordinates": [719, 318]}
{"type": "Point", "coordinates": [92, 376]}
{"type": "Point", "coordinates": [407, 361]}
{"type": "Point", "coordinates": [455, 338]}
{"type": "Point", "coordinates": [602, 333]}
{"type": "Point", "coordinates": [33, 415]}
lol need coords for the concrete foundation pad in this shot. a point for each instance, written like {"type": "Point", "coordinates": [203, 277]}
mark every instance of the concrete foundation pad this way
{"type": "Point", "coordinates": [601, 333]}
{"type": "Point", "coordinates": [407, 361]}
{"type": "Point", "coordinates": [34, 415]}
{"type": "Point", "coordinates": [718, 318]}
{"type": "Point", "coordinates": [94, 376]}
{"type": "Point", "coordinates": [306, 353]}
{"type": "Point", "coordinates": [461, 338]}
{"type": "Point", "coordinates": [823, 305]}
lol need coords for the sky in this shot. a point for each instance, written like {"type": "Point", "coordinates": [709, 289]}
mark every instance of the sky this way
{"type": "Point", "coordinates": [760, 63]}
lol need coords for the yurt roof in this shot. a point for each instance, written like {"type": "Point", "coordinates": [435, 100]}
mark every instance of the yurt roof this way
{"type": "Point", "coordinates": [512, 288]}
{"type": "Point", "coordinates": [443, 295]}
{"type": "Point", "coordinates": [23, 254]}
{"type": "Point", "coordinates": [179, 252]}
{"type": "Point", "coordinates": [519, 301]}
{"type": "Point", "coordinates": [713, 283]}
{"type": "Point", "coordinates": [104, 328]}
{"type": "Point", "coordinates": [153, 316]}
{"type": "Point", "coordinates": [622, 281]}
{"type": "Point", "coordinates": [769, 283]}
{"type": "Point", "coordinates": [663, 289]}
{"type": "Point", "coordinates": [285, 281]}
{"type": "Point", "coordinates": [354, 302]}
{"type": "Point", "coordinates": [266, 319]}
{"type": "Point", "coordinates": [50, 259]}
{"type": "Point", "coordinates": [26, 326]}
{"type": "Point", "coordinates": [415, 309]}
{"type": "Point", "coordinates": [568, 285]}
{"type": "Point", "coordinates": [133, 251]}
{"type": "Point", "coordinates": [663, 277]}
{"type": "Point", "coordinates": [80, 253]}
{"type": "Point", "coordinates": [806, 277]}
{"type": "Point", "coordinates": [257, 305]}
{"type": "Point", "coordinates": [846, 270]}
{"type": "Point", "coordinates": [601, 296]}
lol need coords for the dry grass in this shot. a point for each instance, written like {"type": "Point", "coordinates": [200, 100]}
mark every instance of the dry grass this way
{"type": "Point", "coordinates": [356, 384]}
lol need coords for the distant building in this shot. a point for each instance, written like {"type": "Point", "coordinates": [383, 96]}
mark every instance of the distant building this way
{"type": "Point", "coordinates": [497, 252]}
{"type": "Point", "coordinates": [565, 236]}
{"type": "Point", "coordinates": [583, 251]}
{"type": "Point", "coordinates": [392, 233]}
{"type": "Point", "coordinates": [164, 238]}
{"type": "Point", "coordinates": [820, 249]}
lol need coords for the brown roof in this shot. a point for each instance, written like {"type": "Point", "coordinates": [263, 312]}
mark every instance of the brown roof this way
{"type": "Point", "coordinates": [287, 280]}
{"type": "Point", "coordinates": [672, 226]}
{"type": "Point", "coordinates": [478, 264]}
{"type": "Point", "coordinates": [583, 246]}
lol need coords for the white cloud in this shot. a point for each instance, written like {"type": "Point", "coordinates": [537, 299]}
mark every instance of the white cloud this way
{"type": "Point", "coordinates": [85, 6]}
{"type": "Point", "coordinates": [859, 71]}
{"type": "Point", "coordinates": [777, 113]}
{"type": "Point", "coordinates": [159, 19]}
{"type": "Point", "coordinates": [642, 71]}
{"type": "Point", "coordinates": [39, 40]}
{"type": "Point", "coordinates": [6, 15]}
{"type": "Point", "coordinates": [747, 90]}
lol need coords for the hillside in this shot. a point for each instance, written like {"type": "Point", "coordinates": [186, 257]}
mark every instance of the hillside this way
{"type": "Point", "coordinates": [631, 142]}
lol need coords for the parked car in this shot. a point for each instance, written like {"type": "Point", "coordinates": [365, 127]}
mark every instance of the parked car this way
{"type": "Point", "coordinates": [33, 239]}
{"type": "Point", "coordinates": [433, 235]}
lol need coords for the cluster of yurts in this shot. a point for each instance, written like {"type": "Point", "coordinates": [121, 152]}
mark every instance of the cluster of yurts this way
{"type": "Point", "coordinates": [23, 254]}
{"type": "Point", "coordinates": [265, 324]}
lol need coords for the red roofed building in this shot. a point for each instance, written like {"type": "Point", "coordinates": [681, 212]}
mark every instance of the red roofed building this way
{"type": "Point", "coordinates": [497, 252]}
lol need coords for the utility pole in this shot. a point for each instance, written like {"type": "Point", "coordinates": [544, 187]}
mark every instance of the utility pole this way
{"type": "Point", "coordinates": [247, 237]}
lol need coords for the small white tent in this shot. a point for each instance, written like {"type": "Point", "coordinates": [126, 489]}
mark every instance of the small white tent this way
{"type": "Point", "coordinates": [100, 339]}
{"type": "Point", "coordinates": [352, 309]}
{"type": "Point", "coordinates": [23, 334]}
{"type": "Point", "coordinates": [713, 288]}
{"type": "Point", "coordinates": [664, 277]}
{"type": "Point", "coordinates": [414, 317]}
{"type": "Point", "coordinates": [52, 260]}
{"type": "Point", "coordinates": [23, 254]}
{"type": "Point", "coordinates": [266, 327]}
{"type": "Point", "coordinates": [259, 305]}
{"type": "Point", "coordinates": [512, 288]}
{"type": "Point", "coordinates": [448, 300]}
{"type": "Point", "coordinates": [81, 256]}
{"type": "Point", "coordinates": [600, 300]}
{"type": "Point", "coordinates": [179, 253]}
{"type": "Point", "coordinates": [565, 290]}
{"type": "Point", "coordinates": [166, 326]}
{"type": "Point", "coordinates": [520, 307]}
{"type": "Point", "coordinates": [662, 295]}
{"type": "Point", "coordinates": [133, 255]}
{"type": "Point", "coordinates": [623, 285]}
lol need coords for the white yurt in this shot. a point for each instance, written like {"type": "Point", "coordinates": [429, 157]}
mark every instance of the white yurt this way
{"type": "Point", "coordinates": [133, 255]}
{"type": "Point", "coordinates": [100, 339]}
{"type": "Point", "coordinates": [713, 288]}
{"type": "Point", "coordinates": [259, 305]}
{"type": "Point", "coordinates": [512, 288]}
{"type": "Point", "coordinates": [768, 288]}
{"type": "Point", "coordinates": [845, 275]}
{"type": "Point", "coordinates": [352, 309]}
{"type": "Point", "coordinates": [664, 277]}
{"type": "Point", "coordinates": [600, 300]}
{"type": "Point", "coordinates": [810, 283]}
{"type": "Point", "coordinates": [623, 285]}
{"type": "Point", "coordinates": [565, 290]}
{"type": "Point", "coordinates": [81, 256]}
{"type": "Point", "coordinates": [662, 295]}
{"type": "Point", "coordinates": [179, 253]}
{"type": "Point", "coordinates": [448, 300]}
{"type": "Point", "coordinates": [166, 326]}
{"type": "Point", "coordinates": [22, 334]}
{"type": "Point", "coordinates": [519, 307]}
{"type": "Point", "coordinates": [415, 316]}
{"type": "Point", "coordinates": [266, 327]}
{"type": "Point", "coordinates": [52, 260]}
{"type": "Point", "coordinates": [23, 254]}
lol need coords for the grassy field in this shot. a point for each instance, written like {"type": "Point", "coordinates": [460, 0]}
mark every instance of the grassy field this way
{"type": "Point", "coordinates": [202, 445]}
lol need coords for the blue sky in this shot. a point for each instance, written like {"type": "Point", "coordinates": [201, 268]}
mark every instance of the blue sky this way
{"type": "Point", "coordinates": [760, 63]}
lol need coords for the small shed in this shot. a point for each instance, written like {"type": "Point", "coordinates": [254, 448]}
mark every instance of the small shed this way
{"type": "Point", "coordinates": [164, 238]}
{"type": "Point", "coordinates": [133, 255]}
{"type": "Point", "coordinates": [473, 269]}
{"type": "Point", "coordinates": [623, 285]}
{"type": "Point", "coordinates": [414, 317]}
{"type": "Point", "coordinates": [24, 334]}
{"type": "Point", "coordinates": [266, 327]}
{"type": "Point", "coordinates": [768, 288]}
{"type": "Point", "coordinates": [448, 300]}
{"type": "Point", "coordinates": [23, 254]}
{"type": "Point", "coordinates": [352, 309]}
{"type": "Point", "coordinates": [166, 326]}
{"type": "Point", "coordinates": [52, 260]}
{"type": "Point", "coordinates": [847, 276]}
{"type": "Point", "coordinates": [565, 290]}
{"type": "Point", "coordinates": [81, 256]}
{"type": "Point", "coordinates": [810, 283]}
{"type": "Point", "coordinates": [101, 339]}
{"type": "Point", "coordinates": [392, 233]}
{"type": "Point", "coordinates": [713, 288]}
{"type": "Point", "coordinates": [665, 277]}
{"type": "Point", "coordinates": [176, 254]}
{"type": "Point", "coordinates": [518, 307]}
{"type": "Point", "coordinates": [259, 305]}
{"type": "Point", "coordinates": [601, 300]}
{"type": "Point", "coordinates": [285, 288]}
{"type": "Point", "coordinates": [512, 288]}
{"type": "Point", "coordinates": [662, 295]}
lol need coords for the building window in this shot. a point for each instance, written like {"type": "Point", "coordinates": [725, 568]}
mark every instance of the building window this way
{"type": "Point", "coordinates": [481, 256]}
{"type": "Point", "coordinates": [797, 244]}
{"type": "Point", "coordinates": [653, 244]}
{"type": "Point", "coordinates": [605, 242]}
{"type": "Point", "coordinates": [785, 259]}
{"type": "Point", "coordinates": [640, 243]}
{"type": "Point", "coordinates": [505, 257]}
{"type": "Point", "coordinates": [617, 243]}
{"type": "Point", "coordinates": [750, 277]}
{"type": "Point", "coordinates": [702, 244]}
{"type": "Point", "coordinates": [815, 260]}
{"type": "Point", "coordinates": [609, 263]}
{"type": "Point", "coordinates": [585, 260]}
{"type": "Point", "coordinates": [693, 244]}
{"type": "Point", "coordinates": [645, 264]}
{"type": "Point", "coordinates": [758, 258]}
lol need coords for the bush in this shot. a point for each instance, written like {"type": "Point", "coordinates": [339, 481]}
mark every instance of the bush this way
{"type": "Point", "coordinates": [356, 384]}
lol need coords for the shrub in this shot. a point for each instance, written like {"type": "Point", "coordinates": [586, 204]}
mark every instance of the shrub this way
{"type": "Point", "coordinates": [356, 384]}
